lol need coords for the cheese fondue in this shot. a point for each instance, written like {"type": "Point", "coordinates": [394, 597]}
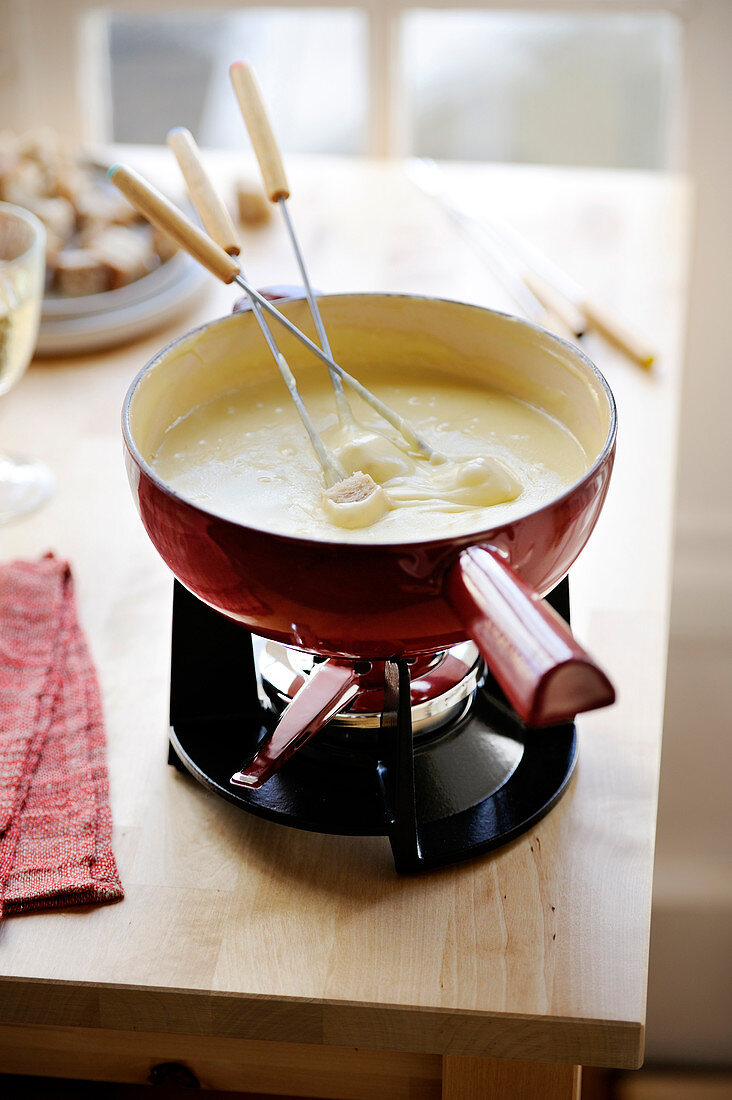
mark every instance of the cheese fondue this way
{"type": "Point", "coordinates": [245, 456]}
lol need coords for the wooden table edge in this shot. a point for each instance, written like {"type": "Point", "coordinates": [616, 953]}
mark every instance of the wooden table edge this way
{"type": "Point", "coordinates": [349, 1073]}
{"type": "Point", "coordinates": [38, 1003]}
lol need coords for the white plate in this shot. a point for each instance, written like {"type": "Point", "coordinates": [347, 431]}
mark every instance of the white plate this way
{"type": "Point", "coordinates": [115, 317]}
{"type": "Point", "coordinates": [62, 305]}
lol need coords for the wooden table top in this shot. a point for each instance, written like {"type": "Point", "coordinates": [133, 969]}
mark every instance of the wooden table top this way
{"type": "Point", "coordinates": [234, 926]}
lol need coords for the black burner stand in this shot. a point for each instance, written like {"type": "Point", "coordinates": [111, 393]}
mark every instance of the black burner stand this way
{"type": "Point", "coordinates": [409, 789]}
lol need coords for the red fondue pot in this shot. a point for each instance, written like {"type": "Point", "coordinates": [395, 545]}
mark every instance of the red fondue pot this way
{"type": "Point", "coordinates": [369, 602]}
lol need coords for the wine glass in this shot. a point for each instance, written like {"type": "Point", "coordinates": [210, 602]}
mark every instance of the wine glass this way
{"type": "Point", "coordinates": [25, 483]}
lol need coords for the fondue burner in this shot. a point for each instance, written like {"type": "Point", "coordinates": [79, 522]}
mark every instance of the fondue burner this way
{"type": "Point", "coordinates": [428, 753]}
{"type": "Point", "coordinates": [441, 686]}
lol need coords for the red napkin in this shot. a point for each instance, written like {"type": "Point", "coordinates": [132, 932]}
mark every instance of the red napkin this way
{"type": "Point", "coordinates": [55, 820]}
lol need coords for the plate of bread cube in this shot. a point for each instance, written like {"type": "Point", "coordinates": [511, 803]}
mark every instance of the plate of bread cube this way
{"type": "Point", "coordinates": [110, 277]}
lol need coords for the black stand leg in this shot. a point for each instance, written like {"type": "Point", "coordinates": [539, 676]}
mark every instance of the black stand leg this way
{"type": "Point", "coordinates": [212, 664]}
{"type": "Point", "coordinates": [212, 675]}
{"type": "Point", "coordinates": [396, 728]}
{"type": "Point", "coordinates": [174, 760]}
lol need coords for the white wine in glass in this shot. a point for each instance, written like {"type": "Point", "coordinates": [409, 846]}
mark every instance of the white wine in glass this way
{"type": "Point", "coordinates": [25, 483]}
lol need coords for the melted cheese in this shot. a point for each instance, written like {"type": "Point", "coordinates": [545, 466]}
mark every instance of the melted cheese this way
{"type": "Point", "coordinates": [245, 456]}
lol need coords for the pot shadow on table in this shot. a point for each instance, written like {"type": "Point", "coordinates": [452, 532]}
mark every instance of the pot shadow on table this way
{"type": "Point", "coordinates": [321, 861]}
{"type": "Point", "coordinates": [326, 863]}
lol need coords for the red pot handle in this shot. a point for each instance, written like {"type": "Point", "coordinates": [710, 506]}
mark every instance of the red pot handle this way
{"type": "Point", "coordinates": [327, 690]}
{"type": "Point", "coordinates": [546, 675]}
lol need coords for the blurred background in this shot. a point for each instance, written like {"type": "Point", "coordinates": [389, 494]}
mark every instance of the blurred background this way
{"type": "Point", "coordinates": [642, 86]}
{"type": "Point", "coordinates": [564, 89]}
{"type": "Point", "coordinates": [598, 87]}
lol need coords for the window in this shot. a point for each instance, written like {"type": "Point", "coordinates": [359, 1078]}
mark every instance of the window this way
{"type": "Point", "coordinates": [553, 89]}
{"type": "Point", "coordinates": [173, 70]}
{"type": "Point", "coordinates": [583, 88]}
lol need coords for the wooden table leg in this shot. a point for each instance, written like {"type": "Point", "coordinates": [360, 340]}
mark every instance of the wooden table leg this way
{"type": "Point", "coordinates": [500, 1079]}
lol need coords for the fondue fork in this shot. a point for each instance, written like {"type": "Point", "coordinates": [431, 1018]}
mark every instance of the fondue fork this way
{"type": "Point", "coordinates": [162, 213]}
{"type": "Point", "coordinates": [548, 311]}
{"type": "Point", "coordinates": [545, 277]}
{"type": "Point", "coordinates": [216, 219]}
{"type": "Point", "coordinates": [558, 292]}
{"type": "Point", "coordinates": [268, 154]}
{"type": "Point", "coordinates": [218, 224]}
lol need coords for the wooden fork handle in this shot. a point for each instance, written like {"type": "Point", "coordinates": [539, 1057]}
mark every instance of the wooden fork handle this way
{"type": "Point", "coordinates": [158, 210]}
{"type": "Point", "coordinates": [212, 211]}
{"type": "Point", "coordinates": [260, 130]}
{"type": "Point", "coordinates": [618, 332]}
